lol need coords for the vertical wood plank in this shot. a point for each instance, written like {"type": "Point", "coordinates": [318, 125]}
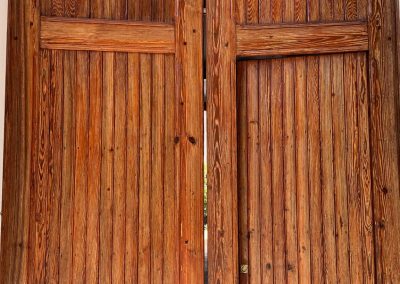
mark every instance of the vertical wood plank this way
{"type": "Point", "coordinates": [32, 85]}
{"type": "Point", "coordinates": [253, 172]}
{"type": "Point", "coordinates": [190, 90]}
{"type": "Point", "coordinates": [79, 237]}
{"type": "Point", "coordinates": [302, 171]}
{"type": "Point", "coordinates": [353, 168]}
{"type": "Point", "coordinates": [132, 169]}
{"type": "Point", "coordinates": [279, 260]}
{"type": "Point", "coordinates": [55, 164]}
{"type": "Point", "coordinates": [266, 173]}
{"type": "Point", "coordinates": [120, 172]}
{"type": "Point", "coordinates": [39, 201]}
{"type": "Point", "coordinates": [144, 257]}
{"type": "Point", "coordinates": [365, 172]}
{"type": "Point", "coordinates": [221, 86]}
{"type": "Point", "coordinates": [171, 194]}
{"type": "Point", "coordinates": [340, 186]}
{"type": "Point", "coordinates": [328, 195]}
{"type": "Point", "coordinates": [383, 76]}
{"type": "Point", "coordinates": [15, 195]}
{"type": "Point", "coordinates": [242, 168]}
{"type": "Point", "coordinates": [313, 11]}
{"type": "Point", "coordinates": [94, 170]}
{"type": "Point", "coordinates": [157, 169]}
{"type": "Point", "coordinates": [289, 142]}
{"type": "Point", "coordinates": [314, 162]}
{"type": "Point", "coordinates": [68, 168]}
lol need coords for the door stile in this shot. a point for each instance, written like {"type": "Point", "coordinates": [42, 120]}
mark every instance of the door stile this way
{"type": "Point", "coordinates": [385, 138]}
{"type": "Point", "coordinates": [222, 141]}
{"type": "Point", "coordinates": [189, 121]}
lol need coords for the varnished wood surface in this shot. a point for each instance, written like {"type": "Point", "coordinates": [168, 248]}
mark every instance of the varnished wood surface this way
{"type": "Point", "coordinates": [189, 95]}
{"type": "Point", "coordinates": [222, 172]}
{"type": "Point", "coordinates": [347, 186]}
{"type": "Point", "coordinates": [270, 40]}
{"type": "Point", "coordinates": [110, 160]}
{"type": "Point", "coordinates": [106, 35]}
{"type": "Point", "coordinates": [102, 151]}
{"type": "Point", "coordinates": [385, 142]}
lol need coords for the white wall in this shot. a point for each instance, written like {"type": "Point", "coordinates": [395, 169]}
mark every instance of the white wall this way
{"type": "Point", "coordinates": [3, 37]}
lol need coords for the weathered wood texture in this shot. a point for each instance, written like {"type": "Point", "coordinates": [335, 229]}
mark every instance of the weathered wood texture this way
{"type": "Point", "coordinates": [318, 146]}
{"type": "Point", "coordinates": [102, 150]}
{"type": "Point", "coordinates": [21, 85]}
{"type": "Point", "coordinates": [106, 35]}
{"type": "Point", "coordinates": [221, 85]}
{"type": "Point", "coordinates": [385, 125]}
{"type": "Point", "coordinates": [189, 74]}
{"type": "Point", "coordinates": [284, 149]}
{"type": "Point", "coordinates": [267, 40]}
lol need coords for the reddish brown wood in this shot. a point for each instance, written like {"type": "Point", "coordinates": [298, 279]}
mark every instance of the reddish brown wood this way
{"type": "Point", "coordinates": [106, 35]}
{"type": "Point", "coordinates": [189, 91]}
{"type": "Point", "coordinates": [385, 140]}
{"type": "Point", "coordinates": [268, 40]}
{"type": "Point", "coordinates": [222, 140]}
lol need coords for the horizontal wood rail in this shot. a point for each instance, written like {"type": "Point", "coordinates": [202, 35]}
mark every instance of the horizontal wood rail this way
{"type": "Point", "coordinates": [262, 40]}
{"type": "Point", "coordinates": [106, 35]}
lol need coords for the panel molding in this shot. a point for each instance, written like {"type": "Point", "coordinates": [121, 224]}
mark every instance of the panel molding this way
{"type": "Point", "coordinates": [274, 40]}
{"type": "Point", "coordinates": [106, 35]}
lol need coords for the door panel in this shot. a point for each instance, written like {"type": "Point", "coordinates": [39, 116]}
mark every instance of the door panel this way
{"type": "Point", "coordinates": [106, 168]}
{"type": "Point", "coordinates": [305, 167]}
{"type": "Point", "coordinates": [305, 210]}
{"type": "Point", "coordinates": [304, 183]}
{"type": "Point", "coordinates": [111, 147]}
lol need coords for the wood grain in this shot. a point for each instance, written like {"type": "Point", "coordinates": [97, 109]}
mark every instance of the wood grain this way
{"type": "Point", "coordinates": [270, 40]}
{"type": "Point", "coordinates": [189, 90]}
{"type": "Point", "coordinates": [385, 140]}
{"type": "Point", "coordinates": [106, 35]}
{"type": "Point", "coordinates": [222, 167]}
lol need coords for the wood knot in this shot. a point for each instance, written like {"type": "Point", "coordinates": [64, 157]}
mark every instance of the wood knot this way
{"type": "Point", "coordinates": [380, 224]}
{"type": "Point", "coordinates": [176, 139]}
{"type": "Point", "coordinates": [192, 140]}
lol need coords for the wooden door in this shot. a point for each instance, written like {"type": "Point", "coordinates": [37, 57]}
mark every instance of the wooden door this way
{"type": "Point", "coordinates": [303, 142]}
{"type": "Point", "coordinates": [103, 179]}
